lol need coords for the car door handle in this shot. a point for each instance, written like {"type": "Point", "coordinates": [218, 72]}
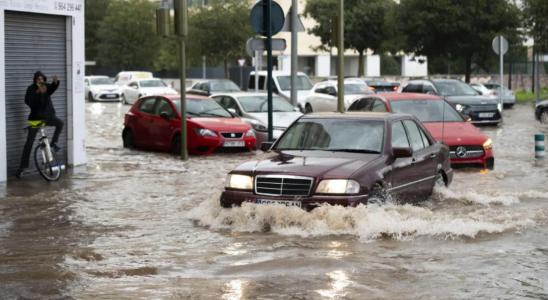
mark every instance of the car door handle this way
{"type": "Point", "coordinates": [433, 155]}
{"type": "Point", "coordinates": [413, 161]}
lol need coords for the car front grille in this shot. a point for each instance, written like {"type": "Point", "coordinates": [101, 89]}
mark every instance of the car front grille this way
{"type": "Point", "coordinates": [232, 135]}
{"type": "Point", "coordinates": [490, 107]}
{"type": "Point", "coordinates": [471, 151]}
{"type": "Point", "coordinates": [281, 185]}
{"type": "Point", "coordinates": [104, 96]}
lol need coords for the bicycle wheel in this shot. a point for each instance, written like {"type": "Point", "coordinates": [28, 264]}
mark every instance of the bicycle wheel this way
{"type": "Point", "coordinates": [51, 171]}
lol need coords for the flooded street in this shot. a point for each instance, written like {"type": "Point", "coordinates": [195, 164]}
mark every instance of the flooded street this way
{"type": "Point", "coordinates": [144, 225]}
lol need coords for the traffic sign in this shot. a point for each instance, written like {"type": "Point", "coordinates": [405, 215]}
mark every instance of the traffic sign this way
{"type": "Point", "coordinates": [257, 18]}
{"type": "Point", "coordinates": [496, 45]}
{"type": "Point", "coordinates": [259, 44]}
{"type": "Point", "coordinates": [241, 62]}
{"type": "Point", "coordinates": [288, 24]}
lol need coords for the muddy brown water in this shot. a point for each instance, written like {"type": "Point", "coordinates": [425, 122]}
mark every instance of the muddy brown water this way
{"type": "Point", "coordinates": [144, 225]}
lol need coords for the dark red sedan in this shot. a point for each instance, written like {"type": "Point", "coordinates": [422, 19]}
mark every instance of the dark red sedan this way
{"type": "Point", "coordinates": [155, 122]}
{"type": "Point", "coordinates": [343, 159]}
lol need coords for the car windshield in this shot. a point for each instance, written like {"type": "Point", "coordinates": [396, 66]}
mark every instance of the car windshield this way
{"type": "Point", "coordinates": [455, 88]}
{"type": "Point", "coordinates": [224, 86]}
{"type": "Point", "coordinates": [494, 87]}
{"type": "Point", "coordinates": [101, 81]}
{"type": "Point", "coordinates": [152, 83]}
{"type": "Point", "coordinates": [203, 108]}
{"type": "Point", "coordinates": [256, 104]}
{"type": "Point", "coordinates": [303, 83]}
{"type": "Point", "coordinates": [377, 82]}
{"type": "Point", "coordinates": [356, 89]}
{"type": "Point", "coordinates": [341, 135]}
{"type": "Point", "coordinates": [427, 110]}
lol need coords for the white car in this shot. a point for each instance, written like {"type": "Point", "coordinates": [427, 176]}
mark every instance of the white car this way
{"type": "Point", "coordinates": [282, 85]}
{"type": "Point", "coordinates": [323, 97]}
{"type": "Point", "coordinates": [492, 90]}
{"type": "Point", "coordinates": [145, 87]}
{"type": "Point", "coordinates": [101, 88]}
{"type": "Point", "coordinates": [124, 78]}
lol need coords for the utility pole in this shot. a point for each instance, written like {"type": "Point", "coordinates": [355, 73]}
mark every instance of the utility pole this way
{"type": "Point", "coordinates": [181, 30]}
{"type": "Point", "coordinates": [268, 22]}
{"type": "Point", "coordinates": [294, 49]}
{"type": "Point", "coordinates": [340, 57]}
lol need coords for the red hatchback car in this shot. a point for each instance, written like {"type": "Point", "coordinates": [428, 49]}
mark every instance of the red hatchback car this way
{"type": "Point", "coordinates": [468, 145]}
{"type": "Point", "coordinates": [155, 122]}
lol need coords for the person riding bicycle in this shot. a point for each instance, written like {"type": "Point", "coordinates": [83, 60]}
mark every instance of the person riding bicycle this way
{"type": "Point", "coordinates": [38, 98]}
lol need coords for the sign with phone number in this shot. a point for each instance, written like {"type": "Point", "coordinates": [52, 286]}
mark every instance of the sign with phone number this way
{"type": "Point", "coordinates": [66, 6]}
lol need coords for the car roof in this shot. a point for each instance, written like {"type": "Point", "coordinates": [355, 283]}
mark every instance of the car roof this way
{"type": "Point", "coordinates": [376, 116]}
{"type": "Point", "coordinates": [243, 93]}
{"type": "Point", "coordinates": [188, 96]}
{"type": "Point", "coordinates": [406, 96]}
{"type": "Point", "coordinates": [97, 76]}
{"type": "Point", "coordinates": [277, 73]}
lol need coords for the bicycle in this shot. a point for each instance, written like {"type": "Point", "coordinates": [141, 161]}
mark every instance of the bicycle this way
{"type": "Point", "coordinates": [46, 161]}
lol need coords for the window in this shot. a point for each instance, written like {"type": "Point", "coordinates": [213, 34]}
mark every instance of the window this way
{"type": "Point", "coordinates": [415, 137]}
{"type": "Point", "coordinates": [164, 106]}
{"type": "Point", "coordinates": [228, 102]}
{"type": "Point", "coordinates": [133, 85]}
{"type": "Point", "coordinates": [425, 139]}
{"type": "Point", "coordinates": [399, 137]}
{"type": "Point", "coordinates": [262, 81]}
{"type": "Point", "coordinates": [256, 104]}
{"type": "Point", "coordinates": [152, 83]}
{"type": "Point", "coordinates": [427, 110]}
{"type": "Point", "coordinates": [330, 89]}
{"type": "Point", "coordinates": [428, 88]}
{"type": "Point", "coordinates": [454, 88]}
{"type": "Point", "coordinates": [379, 106]}
{"type": "Point", "coordinates": [413, 88]}
{"type": "Point", "coordinates": [223, 86]}
{"type": "Point", "coordinates": [202, 108]}
{"type": "Point", "coordinates": [147, 105]}
{"type": "Point", "coordinates": [303, 83]}
{"type": "Point", "coordinates": [365, 104]}
{"type": "Point", "coordinates": [251, 85]}
{"type": "Point", "coordinates": [320, 89]}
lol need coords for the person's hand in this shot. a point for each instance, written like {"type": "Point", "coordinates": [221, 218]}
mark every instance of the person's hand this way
{"type": "Point", "coordinates": [55, 80]}
{"type": "Point", "coordinates": [42, 89]}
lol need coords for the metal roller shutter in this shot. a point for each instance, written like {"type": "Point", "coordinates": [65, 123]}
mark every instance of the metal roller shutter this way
{"type": "Point", "coordinates": [32, 42]}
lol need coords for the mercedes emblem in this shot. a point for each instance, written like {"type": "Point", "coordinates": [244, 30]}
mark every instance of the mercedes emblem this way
{"type": "Point", "coordinates": [461, 152]}
{"type": "Point", "coordinates": [234, 135]}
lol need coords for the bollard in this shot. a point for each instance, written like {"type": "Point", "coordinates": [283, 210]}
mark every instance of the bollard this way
{"type": "Point", "coordinates": [539, 145]}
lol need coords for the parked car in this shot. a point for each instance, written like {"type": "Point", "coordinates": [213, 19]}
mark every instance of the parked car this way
{"type": "Point", "coordinates": [343, 159]}
{"type": "Point", "coordinates": [101, 88]}
{"type": "Point", "coordinates": [282, 85]}
{"type": "Point", "coordinates": [541, 112]}
{"type": "Point", "coordinates": [467, 144]}
{"type": "Point", "coordinates": [145, 87]}
{"type": "Point", "coordinates": [323, 97]}
{"type": "Point", "coordinates": [253, 108]}
{"type": "Point", "coordinates": [154, 122]}
{"type": "Point", "coordinates": [379, 85]}
{"type": "Point", "coordinates": [207, 87]}
{"type": "Point", "coordinates": [481, 109]}
{"type": "Point", "coordinates": [124, 78]}
{"type": "Point", "coordinates": [493, 90]}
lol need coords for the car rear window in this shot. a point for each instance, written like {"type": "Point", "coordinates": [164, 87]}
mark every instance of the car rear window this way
{"type": "Point", "coordinates": [427, 110]}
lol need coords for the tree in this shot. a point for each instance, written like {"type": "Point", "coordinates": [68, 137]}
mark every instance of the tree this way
{"type": "Point", "coordinates": [535, 14]}
{"type": "Point", "coordinates": [365, 24]}
{"type": "Point", "coordinates": [457, 29]}
{"type": "Point", "coordinates": [128, 35]}
{"type": "Point", "coordinates": [94, 14]}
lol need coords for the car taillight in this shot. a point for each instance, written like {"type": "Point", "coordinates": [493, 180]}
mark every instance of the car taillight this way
{"type": "Point", "coordinates": [372, 88]}
{"type": "Point", "coordinates": [395, 88]}
{"type": "Point", "coordinates": [494, 94]}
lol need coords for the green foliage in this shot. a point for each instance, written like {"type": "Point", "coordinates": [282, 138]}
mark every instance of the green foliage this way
{"type": "Point", "coordinates": [390, 65]}
{"type": "Point", "coordinates": [523, 96]}
{"type": "Point", "coordinates": [457, 29]}
{"type": "Point", "coordinates": [365, 25]}
{"type": "Point", "coordinates": [128, 35]}
{"type": "Point", "coordinates": [95, 11]}
{"type": "Point", "coordinates": [536, 21]}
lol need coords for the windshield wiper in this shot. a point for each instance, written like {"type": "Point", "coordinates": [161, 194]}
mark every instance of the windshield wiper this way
{"type": "Point", "coordinates": [352, 150]}
{"type": "Point", "coordinates": [212, 115]}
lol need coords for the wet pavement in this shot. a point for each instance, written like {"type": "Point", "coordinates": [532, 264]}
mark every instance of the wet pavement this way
{"type": "Point", "coordinates": [144, 225]}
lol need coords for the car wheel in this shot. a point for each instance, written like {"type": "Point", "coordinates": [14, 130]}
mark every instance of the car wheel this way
{"type": "Point", "coordinates": [90, 97]}
{"type": "Point", "coordinates": [129, 139]}
{"type": "Point", "coordinates": [440, 181]}
{"type": "Point", "coordinates": [308, 109]}
{"type": "Point", "coordinates": [124, 101]}
{"type": "Point", "coordinates": [176, 146]}
{"type": "Point", "coordinates": [377, 196]}
{"type": "Point", "coordinates": [544, 116]}
{"type": "Point", "coordinates": [490, 163]}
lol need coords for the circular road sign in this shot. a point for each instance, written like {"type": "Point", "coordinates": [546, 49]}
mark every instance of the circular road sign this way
{"type": "Point", "coordinates": [496, 45]}
{"type": "Point", "coordinates": [257, 18]}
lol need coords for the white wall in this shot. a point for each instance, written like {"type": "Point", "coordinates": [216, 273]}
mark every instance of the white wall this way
{"type": "Point", "coordinates": [76, 125]}
{"type": "Point", "coordinates": [372, 66]}
{"type": "Point", "coordinates": [323, 65]}
{"type": "Point", "coordinates": [413, 68]}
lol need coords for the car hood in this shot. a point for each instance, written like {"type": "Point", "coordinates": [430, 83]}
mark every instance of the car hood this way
{"type": "Point", "coordinates": [221, 124]}
{"type": "Point", "coordinates": [471, 100]}
{"type": "Point", "coordinates": [310, 163]}
{"type": "Point", "coordinates": [456, 133]}
{"type": "Point", "coordinates": [158, 90]}
{"type": "Point", "coordinates": [105, 87]}
{"type": "Point", "coordinates": [281, 119]}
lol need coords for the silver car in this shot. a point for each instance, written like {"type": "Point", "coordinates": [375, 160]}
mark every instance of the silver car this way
{"type": "Point", "coordinates": [492, 90]}
{"type": "Point", "coordinates": [253, 108]}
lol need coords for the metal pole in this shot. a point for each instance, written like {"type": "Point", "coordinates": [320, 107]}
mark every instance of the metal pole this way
{"type": "Point", "coordinates": [340, 58]}
{"type": "Point", "coordinates": [294, 57]}
{"type": "Point", "coordinates": [204, 70]}
{"type": "Point", "coordinates": [537, 77]}
{"type": "Point", "coordinates": [501, 81]}
{"type": "Point", "coordinates": [256, 71]}
{"type": "Point", "coordinates": [269, 62]}
{"type": "Point", "coordinates": [182, 68]}
{"type": "Point", "coordinates": [241, 78]}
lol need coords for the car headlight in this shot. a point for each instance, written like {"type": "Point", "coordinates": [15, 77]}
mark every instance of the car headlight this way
{"type": "Point", "coordinates": [259, 126]}
{"type": "Point", "coordinates": [241, 182]}
{"type": "Point", "coordinates": [250, 132]}
{"type": "Point", "coordinates": [204, 132]}
{"type": "Point", "coordinates": [488, 144]}
{"type": "Point", "coordinates": [499, 106]}
{"type": "Point", "coordinates": [338, 186]}
{"type": "Point", "coordinates": [460, 107]}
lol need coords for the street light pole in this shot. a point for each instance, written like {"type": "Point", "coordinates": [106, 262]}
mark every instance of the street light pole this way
{"type": "Point", "coordinates": [294, 57]}
{"type": "Point", "coordinates": [181, 13]}
{"type": "Point", "coordinates": [340, 57]}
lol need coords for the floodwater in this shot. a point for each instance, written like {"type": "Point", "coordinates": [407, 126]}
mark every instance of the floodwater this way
{"type": "Point", "coordinates": [144, 225]}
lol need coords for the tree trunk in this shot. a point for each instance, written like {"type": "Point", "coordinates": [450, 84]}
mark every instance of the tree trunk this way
{"type": "Point", "coordinates": [510, 73]}
{"type": "Point", "coordinates": [227, 74]}
{"type": "Point", "coordinates": [361, 64]}
{"type": "Point", "coordinates": [468, 68]}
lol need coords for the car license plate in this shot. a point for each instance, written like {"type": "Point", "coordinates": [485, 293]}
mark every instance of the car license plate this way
{"type": "Point", "coordinates": [286, 203]}
{"type": "Point", "coordinates": [111, 96]}
{"type": "Point", "coordinates": [233, 143]}
{"type": "Point", "coordinates": [486, 115]}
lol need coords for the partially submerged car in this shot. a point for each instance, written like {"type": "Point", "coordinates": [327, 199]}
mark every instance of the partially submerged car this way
{"type": "Point", "coordinates": [343, 159]}
{"type": "Point", "coordinates": [541, 112]}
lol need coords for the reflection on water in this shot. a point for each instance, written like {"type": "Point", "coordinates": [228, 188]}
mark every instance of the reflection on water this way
{"type": "Point", "coordinates": [234, 290]}
{"type": "Point", "coordinates": [339, 281]}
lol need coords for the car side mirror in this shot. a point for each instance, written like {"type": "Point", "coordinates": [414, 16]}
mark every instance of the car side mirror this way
{"type": "Point", "coordinates": [165, 115]}
{"type": "Point", "coordinates": [402, 152]}
{"type": "Point", "coordinates": [265, 146]}
{"type": "Point", "coordinates": [332, 93]}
